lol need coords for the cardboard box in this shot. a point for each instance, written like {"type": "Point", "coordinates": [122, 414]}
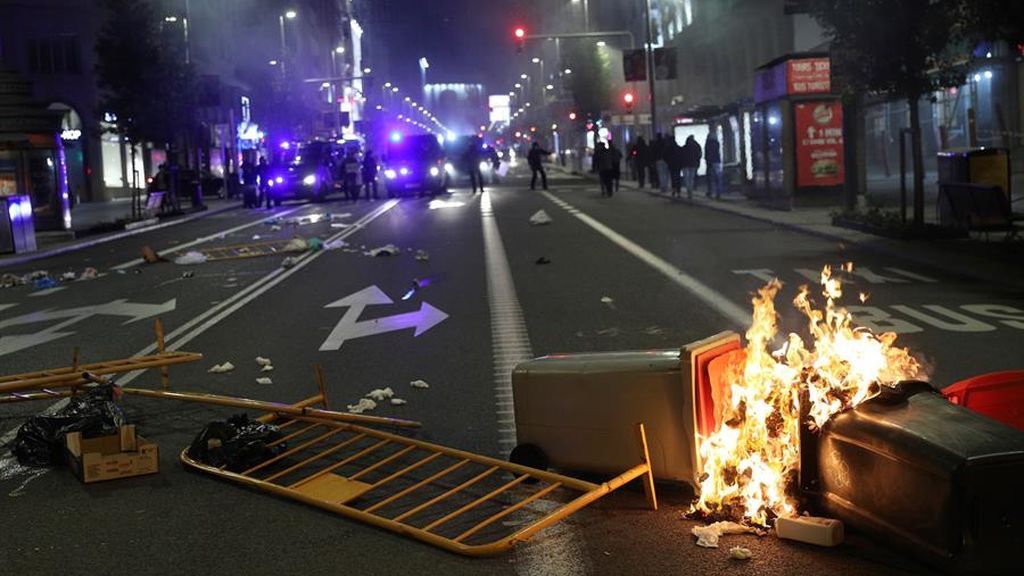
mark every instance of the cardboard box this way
{"type": "Point", "coordinates": [110, 457]}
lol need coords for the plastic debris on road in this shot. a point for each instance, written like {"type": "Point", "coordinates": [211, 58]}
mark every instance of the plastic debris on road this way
{"type": "Point", "coordinates": [237, 444]}
{"type": "Point", "coordinates": [221, 368]}
{"type": "Point", "coordinates": [707, 536]}
{"type": "Point", "coordinates": [397, 402]}
{"type": "Point", "coordinates": [40, 440]}
{"type": "Point", "coordinates": [342, 216]}
{"type": "Point", "coordinates": [264, 381]}
{"type": "Point", "coordinates": [387, 250]}
{"type": "Point", "coordinates": [380, 394]}
{"type": "Point", "coordinates": [44, 283]}
{"type": "Point", "coordinates": [89, 273]}
{"type": "Point", "coordinates": [289, 262]}
{"type": "Point", "coordinates": [190, 258]}
{"type": "Point", "coordinates": [608, 300]}
{"type": "Point", "coordinates": [189, 274]}
{"type": "Point", "coordinates": [335, 244]}
{"type": "Point", "coordinates": [67, 276]}
{"type": "Point", "coordinates": [422, 255]}
{"type": "Point", "coordinates": [315, 244]}
{"type": "Point", "coordinates": [419, 384]}
{"type": "Point", "coordinates": [261, 361]}
{"type": "Point", "coordinates": [540, 218]}
{"type": "Point", "coordinates": [364, 405]}
{"type": "Point", "coordinates": [267, 368]}
{"type": "Point", "coordinates": [740, 553]}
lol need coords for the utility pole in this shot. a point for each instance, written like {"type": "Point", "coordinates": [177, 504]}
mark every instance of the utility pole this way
{"type": "Point", "coordinates": [650, 69]}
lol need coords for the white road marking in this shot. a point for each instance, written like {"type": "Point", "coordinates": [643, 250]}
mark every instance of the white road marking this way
{"type": "Point", "coordinates": [349, 328]}
{"type": "Point", "coordinates": [179, 337]}
{"type": "Point", "coordinates": [214, 236]}
{"type": "Point", "coordinates": [185, 333]}
{"type": "Point", "coordinates": [735, 314]}
{"type": "Point", "coordinates": [510, 347]}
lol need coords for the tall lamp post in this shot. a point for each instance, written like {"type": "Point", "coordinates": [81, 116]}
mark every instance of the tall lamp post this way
{"type": "Point", "coordinates": [290, 15]}
{"type": "Point", "coordinates": [423, 77]}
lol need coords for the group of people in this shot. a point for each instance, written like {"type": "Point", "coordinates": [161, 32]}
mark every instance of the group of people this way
{"type": "Point", "coordinates": [255, 186]}
{"type": "Point", "coordinates": [353, 171]}
{"type": "Point", "coordinates": [667, 164]}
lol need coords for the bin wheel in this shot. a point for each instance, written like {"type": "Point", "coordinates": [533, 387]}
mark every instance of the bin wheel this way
{"type": "Point", "coordinates": [529, 455]}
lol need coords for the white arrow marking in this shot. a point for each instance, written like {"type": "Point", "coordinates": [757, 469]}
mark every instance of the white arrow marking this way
{"type": "Point", "coordinates": [121, 307]}
{"type": "Point", "coordinates": [349, 328]}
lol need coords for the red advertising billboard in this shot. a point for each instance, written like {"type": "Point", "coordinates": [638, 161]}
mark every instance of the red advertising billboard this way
{"type": "Point", "coordinates": [819, 143]}
{"type": "Point", "coordinates": [809, 76]}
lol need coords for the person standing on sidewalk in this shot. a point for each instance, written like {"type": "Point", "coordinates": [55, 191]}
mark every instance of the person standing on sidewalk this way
{"type": "Point", "coordinates": [603, 166]}
{"type": "Point", "coordinates": [661, 151]}
{"type": "Point", "coordinates": [713, 161]}
{"type": "Point", "coordinates": [691, 161]}
{"type": "Point", "coordinates": [535, 158]}
{"type": "Point", "coordinates": [642, 160]}
{"type": "Point", "coordinates": [674, 159]}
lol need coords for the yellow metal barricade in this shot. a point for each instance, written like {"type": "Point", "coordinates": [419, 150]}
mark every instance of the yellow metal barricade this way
{"type": "Point", "coordinates": [456, 500]}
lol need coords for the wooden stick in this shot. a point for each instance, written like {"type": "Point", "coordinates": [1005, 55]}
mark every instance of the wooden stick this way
{"type": "Point", "coordinates": [321, 383]}
{"type": "Point", "coordinates": [165, 372]}
{"type": "Point", "coordinates": [652, 496]}
{"type": "Point", "coordinates": [277, 407]}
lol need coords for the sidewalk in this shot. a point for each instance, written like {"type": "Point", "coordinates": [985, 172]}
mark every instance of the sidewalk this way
{"type": "Point", "coordinates": [100, 222]}
{"type": "Point", "coordinates": [997, 261]}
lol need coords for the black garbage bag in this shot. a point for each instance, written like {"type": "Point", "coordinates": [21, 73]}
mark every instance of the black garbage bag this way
{"type": "Point", "coordinates": [40, 440]}
{"type": "Point", "coordinates": [237, 444]}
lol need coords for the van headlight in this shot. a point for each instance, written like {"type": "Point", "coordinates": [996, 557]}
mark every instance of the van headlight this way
{"type": "Point", "coordinates": [309, 180]}
{"type": "Point", "coordinates": [434, 171]}
{"type": "Point", "coordinates": [391, 174]}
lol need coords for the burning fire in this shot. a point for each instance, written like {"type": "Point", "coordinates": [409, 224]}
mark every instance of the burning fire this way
{"type": "Point", "coordinates": [751, 461]}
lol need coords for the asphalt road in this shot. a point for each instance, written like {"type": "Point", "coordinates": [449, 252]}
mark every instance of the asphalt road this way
{"type": "Point", "coordinates": [674, 273]}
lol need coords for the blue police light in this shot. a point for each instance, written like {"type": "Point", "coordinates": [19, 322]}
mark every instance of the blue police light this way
{"type": "Point", "coordinates": [396, 136]}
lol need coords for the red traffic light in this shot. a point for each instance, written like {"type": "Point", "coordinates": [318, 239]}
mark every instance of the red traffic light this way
{"type": "Point", "coordinates": [628, 99]}
{"type": "Point", "coordinates": [520, 34]}
{"type": "Point", "coordinates": [572, 115]}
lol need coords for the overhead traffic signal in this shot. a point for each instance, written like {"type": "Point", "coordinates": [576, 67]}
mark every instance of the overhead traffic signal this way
{"type": "Point", "coordinates": [520, 37]}
{"type": "Point", "coordinates": [628, 99]}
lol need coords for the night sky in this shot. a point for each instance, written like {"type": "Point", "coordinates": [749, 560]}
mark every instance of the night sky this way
{"type": "Point", "coordinates": [464, 40]}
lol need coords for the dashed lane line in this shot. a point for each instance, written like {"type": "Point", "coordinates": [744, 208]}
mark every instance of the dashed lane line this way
{"type": "Point", "coordinates": [735, 314]}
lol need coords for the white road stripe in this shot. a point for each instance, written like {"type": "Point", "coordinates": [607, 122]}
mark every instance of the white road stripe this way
{"type": "Point", "coordinates": [511, 347]}
{"type": "Point", "coordinates": [735, 314]}
{"type": "Point", "coordinates": [214, 236]}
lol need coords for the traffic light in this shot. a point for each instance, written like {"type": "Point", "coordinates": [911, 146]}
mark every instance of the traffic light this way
{"type": "Point", "coordinates": [520, 34]}
{"type": "Point", "coordinates": [572, 115]}
{"type": "Point", "coordinates": [628, 99]}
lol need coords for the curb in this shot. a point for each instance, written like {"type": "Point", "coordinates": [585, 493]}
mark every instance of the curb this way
{"type": "Point", "coordinates": [75, 246]}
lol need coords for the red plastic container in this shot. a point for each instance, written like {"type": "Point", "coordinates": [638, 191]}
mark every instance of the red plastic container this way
{"type": "Point", "coordinates": [999, 395]}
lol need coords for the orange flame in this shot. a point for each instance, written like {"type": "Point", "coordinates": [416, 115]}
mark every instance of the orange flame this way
{"type": "Point", "coordinates": [751, 460]}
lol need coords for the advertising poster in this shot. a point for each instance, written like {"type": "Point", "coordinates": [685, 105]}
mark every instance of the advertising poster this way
{"type": "Point", "coordinates": [819, 143]}
{"type": "Point", "coordinates": [809, 76]}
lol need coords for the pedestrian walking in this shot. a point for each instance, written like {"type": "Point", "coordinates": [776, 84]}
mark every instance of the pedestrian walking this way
{"type": "Point", "coordinates": [615, 156]}
{"type": "Point", "coordinates": [263, 175]}
{"type": "Point", "coordinates": [350, 168]}
{"type": "Point", "coordinates": [471, 159]}
{"type": "Point", "coordinates": [249, 183]}
{"type": "Point", "coordinates": [603, 166]}
{"type": "Point", "coordinates": [713, 161]}
{"type": "Point", "coordinates": [370, 174]}
{"type": "Point", "coordinates": [535, 158]}
{"type": "Point", "coordinates": [642, 160]}
{"type": "Point", "coordinates": [691, 161]}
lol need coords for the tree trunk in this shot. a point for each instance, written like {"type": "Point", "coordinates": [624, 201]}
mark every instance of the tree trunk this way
{"type": "Point", "coordinates": [918, 159]}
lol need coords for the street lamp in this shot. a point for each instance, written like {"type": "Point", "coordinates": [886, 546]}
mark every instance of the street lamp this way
{"type": "Point", "coordinates": [424, 64]}
{"type": "Point", "coordinates": [290, 15]}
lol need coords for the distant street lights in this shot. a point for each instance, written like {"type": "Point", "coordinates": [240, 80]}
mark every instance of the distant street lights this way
{"type": "Point", "coordinates": [290, 15]}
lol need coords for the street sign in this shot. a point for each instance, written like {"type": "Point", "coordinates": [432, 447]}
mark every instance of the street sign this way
{"type": "Point", "coordinates": [350, 328]}
{"type": "Point", "coordinates": [634, 65]}
{"type": "Point", "coordinates": [16, 342]}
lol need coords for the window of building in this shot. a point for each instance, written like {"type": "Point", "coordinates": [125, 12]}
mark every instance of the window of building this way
{"type": "Point", "coordinates": [55, 55]}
